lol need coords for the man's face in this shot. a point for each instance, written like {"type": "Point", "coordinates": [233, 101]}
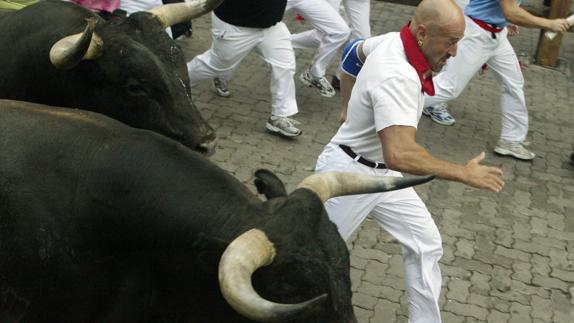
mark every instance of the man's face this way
{"type": "Point", "coordinates": [441, 44]}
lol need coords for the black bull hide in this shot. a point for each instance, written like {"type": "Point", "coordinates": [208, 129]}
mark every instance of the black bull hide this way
{"type": "Point", "coordinates": [140, 78]}
{"type": "Point", "coordinates": [100, 222]}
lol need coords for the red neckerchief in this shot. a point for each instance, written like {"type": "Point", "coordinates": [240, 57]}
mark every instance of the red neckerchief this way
{"type": "Point", "coordinates": [417, 59]}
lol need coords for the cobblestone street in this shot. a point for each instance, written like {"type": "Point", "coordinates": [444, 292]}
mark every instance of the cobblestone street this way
{"type": "Point", "coordinates": [508, 257]}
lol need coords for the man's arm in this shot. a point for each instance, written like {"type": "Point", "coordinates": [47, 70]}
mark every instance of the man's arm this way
{"type": "Point", "coordinates": [351, 64]}
{"type": "Point", "coordinates": [402, 153]}
{"type": "Point", "coordinates": [347, 83]}
{"type": "Point", "coordinates": [516, 15]}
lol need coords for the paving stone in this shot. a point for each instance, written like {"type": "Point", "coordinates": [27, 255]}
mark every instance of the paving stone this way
{"type": "Point", "coordinates": [512, 253]}
{"type": "Point", "coordinates": [519, 313]}
{"type": "Point", "coordinates": [396, 266]}
{"type": "Point", "coordinates": [356, 276]}
{"type": "Point", "coordinates": [480, 283]}
{"type": "Point", "coordinates": [364, 301]}
{"type": "Point", "coordinates": [501, 305]}
{"type": "Point", "coordinates": [504, 237]}
{"type": "Point", "coordinates": [480, 300]}
{"type": "Point", "coordinates": [522, 272]}
{"type": "Point", "coordinates": [458, 290]}
{"type": "Point", "coordinates": [466, 309]}
{"type": "Point", "coordinates": [540, 265]}
{"type": "Point", "coordinates": [530, 247]}
{"type": "Point", "coordinates": [385, 311]}
{"type": "Point", "coordinates": [452, 271]}
{"type": "Point", "coordinates": [371, 254]}
{"type": "Point", "coordinates": [567, 276]}
{"type": "Point", "coordinates": [379, 291]}
{"type": "Point", "coordinates": [558, 259]}
{"type": "Point", "coordinates": [467, 265]}
{"type": "Point", "coordinates": [497, 317]}
{"type": "Point", "coordinates": [563, 311]}
{"type": "Point", "coordinates": [375, 272]}
{"type": "Point", "coordinates": [550, 283]}
{"type": "Point", "coordinates": [358, 263]}
{"type": "Point", "coordinates": [541, 308]}
{"type": "Point", "coordinates": [464, 248]}
{"type": "Point", "coordinates": [362, 314]}
{"type": "Point", "coordinates": [448, 317]}
{"type": "Point", "coordinates": [529, 289]}
{"type": "Point", "coordinates": [501, 279]}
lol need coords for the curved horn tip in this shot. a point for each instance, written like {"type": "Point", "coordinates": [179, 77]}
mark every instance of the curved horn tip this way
{"type": "Point", "coordinates": [242, 257]}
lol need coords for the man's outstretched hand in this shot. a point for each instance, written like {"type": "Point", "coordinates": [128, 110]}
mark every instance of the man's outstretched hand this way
{"type": "Point", "coordinates": [481, 176]}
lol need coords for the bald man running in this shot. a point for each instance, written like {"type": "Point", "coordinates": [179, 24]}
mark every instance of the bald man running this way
{"type": "Point", "coordinates": [378, 137]}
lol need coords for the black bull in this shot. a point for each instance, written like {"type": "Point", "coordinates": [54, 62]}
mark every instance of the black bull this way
{"type": "Point", "coordinates": [128, 69]}
{"type": "Point", "coordinates": [100, 222]}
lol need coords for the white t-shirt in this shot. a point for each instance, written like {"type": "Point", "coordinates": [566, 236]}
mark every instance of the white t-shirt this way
{"type": "Point", "coordinates": [387, 92]}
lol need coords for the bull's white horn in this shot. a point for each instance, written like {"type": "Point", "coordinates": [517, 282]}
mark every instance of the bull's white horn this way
{"type": "Point", "coordinates": [333, 184]}
{"type": "Point", "coordinates": [173, 13]}
{"type": "Point", "coordinates": [241, 258]}
{"type": "Point", "coordinates": [69, 51]}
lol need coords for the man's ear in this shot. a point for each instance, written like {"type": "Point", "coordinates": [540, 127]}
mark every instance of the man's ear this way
{"type": "Point", "coordinates": [421, 33]}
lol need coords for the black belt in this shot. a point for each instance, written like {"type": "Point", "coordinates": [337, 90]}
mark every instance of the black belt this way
{"type": "Point", "coordinates": [362, 160]}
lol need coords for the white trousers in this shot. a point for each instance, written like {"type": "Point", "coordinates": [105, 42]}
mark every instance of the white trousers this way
{"type": "Point", "coordinates": [357, 14]}
{"type": "Point", "coordinates": [402, 214]}
{"type": "Point", "coordinates": [475, 49]}
{"type": "Point", "coordinates": [230, 46]}
{"type": "Point", "coordinates": [330, 32]}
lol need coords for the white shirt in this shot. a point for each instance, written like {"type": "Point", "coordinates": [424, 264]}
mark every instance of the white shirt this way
{"type": "Point", "coordinates": [387, 92]}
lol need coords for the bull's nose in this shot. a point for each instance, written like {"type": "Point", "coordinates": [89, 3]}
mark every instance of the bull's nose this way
{"type": "Point", "coordinates": [208, 148]}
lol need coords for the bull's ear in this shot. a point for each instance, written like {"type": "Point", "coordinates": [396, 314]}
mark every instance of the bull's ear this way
{"type": "Point", "coordinates": [269, 184]}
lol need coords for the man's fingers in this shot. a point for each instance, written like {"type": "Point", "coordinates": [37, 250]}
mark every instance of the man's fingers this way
{"type": "Point", "coordinates": [495, 185]}
{"type": "Point", "coordinates": [499, 182]}
{"type": "Point", "coordinates": [495, 170]}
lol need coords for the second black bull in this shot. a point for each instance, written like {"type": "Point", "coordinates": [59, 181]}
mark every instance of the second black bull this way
{"type": "Point", "coordinates": [58, 53]}
{"type": "Point", "coordinates": [100, 222]}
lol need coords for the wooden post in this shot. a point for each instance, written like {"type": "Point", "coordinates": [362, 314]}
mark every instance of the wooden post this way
{"type": "Point", "coordinates": [547, 52]}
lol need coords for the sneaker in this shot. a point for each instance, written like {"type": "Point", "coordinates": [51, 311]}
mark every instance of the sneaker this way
{"type": "Point", "coordinates": [514, 149]}
{"type": "Point", "coordinates": [220, 87]}
{"type": "Point", "coordinates": [283, 126]}
{"type": "Point", "coordinates": [320, 83]}
{"type": "Point", "coordinates": [439, 114]}
{"type": "Point", "coordinates": [336, 83]}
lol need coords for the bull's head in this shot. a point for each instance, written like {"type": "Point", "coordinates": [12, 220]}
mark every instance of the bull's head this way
{"type": "Point", "coordinates": [307, 261]}
{"type": "Point", "coordinates": [135, 73]}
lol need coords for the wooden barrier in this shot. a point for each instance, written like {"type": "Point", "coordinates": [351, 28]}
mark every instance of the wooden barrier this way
{"type": "Point", "coordinates": [547, 51]}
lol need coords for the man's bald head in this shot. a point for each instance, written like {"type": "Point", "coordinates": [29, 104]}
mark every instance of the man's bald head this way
{"type": "Point", "coordinates": [438, 14]}
{"type": "Point", "coordinates": [437, 26]}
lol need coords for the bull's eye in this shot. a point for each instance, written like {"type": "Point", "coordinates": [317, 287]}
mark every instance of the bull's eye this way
{"type": "Point", "coordinates": [135, 88]}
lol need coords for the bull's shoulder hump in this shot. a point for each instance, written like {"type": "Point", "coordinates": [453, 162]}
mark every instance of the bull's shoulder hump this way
{"type": "Point", "coordinates": [61, 113]}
